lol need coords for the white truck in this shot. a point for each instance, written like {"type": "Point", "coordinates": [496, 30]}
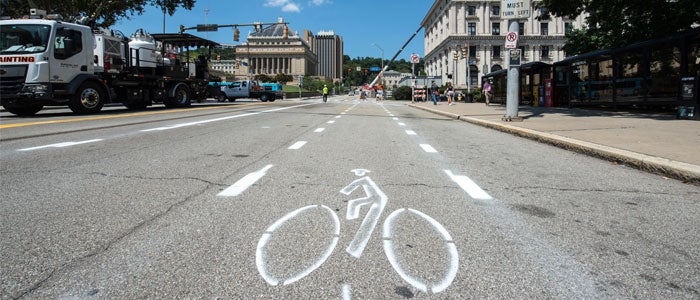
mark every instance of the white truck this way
{"type": "Point", "coordinates": [52, 62]}
{"type": "Point", "coordinates": [250, 89]}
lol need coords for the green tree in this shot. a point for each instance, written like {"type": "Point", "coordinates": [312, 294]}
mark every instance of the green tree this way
{"type": "Point", "coordinates": [616, 23]}
{"type": "Point", "coordinates": [104, 12]}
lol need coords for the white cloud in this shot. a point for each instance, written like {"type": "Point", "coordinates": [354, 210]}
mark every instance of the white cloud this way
{"type": "Point", "coordinates": [286, 5]}
{"type": "Point", "coordinates": [319, 2]}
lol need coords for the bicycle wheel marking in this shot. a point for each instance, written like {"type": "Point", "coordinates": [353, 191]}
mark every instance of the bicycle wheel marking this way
{"type": "Point", "coordinates": [421, 284]}
{"type": "Point", "coordinates": [261, 253]}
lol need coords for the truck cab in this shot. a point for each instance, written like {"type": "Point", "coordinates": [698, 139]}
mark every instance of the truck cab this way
{"type": "Point", "coordinates": [250, 89]}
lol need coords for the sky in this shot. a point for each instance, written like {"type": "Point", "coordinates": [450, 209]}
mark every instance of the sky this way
{"type": "Point", "coordinates": [369, 28]}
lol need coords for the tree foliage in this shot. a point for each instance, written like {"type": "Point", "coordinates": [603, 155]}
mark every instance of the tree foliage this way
{"type": "Point", "coordinates": [616, 23]}
{"type": "Point", "coordinates": [105, 12]}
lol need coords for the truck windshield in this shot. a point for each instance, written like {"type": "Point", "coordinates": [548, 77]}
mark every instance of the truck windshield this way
{"type": "Point", "coordinates": [24, 38]}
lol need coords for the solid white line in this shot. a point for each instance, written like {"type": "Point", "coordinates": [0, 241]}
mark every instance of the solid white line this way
{"type": "Point", "coordinates": [319, 129]}
{"type": "Point", "coordinates": [410, 132]}
{"type": "Point", "coordinates": [469, 186]}
{"type": "Point", "coordinates": [297, 145]}
{"type": "Point", "coordinates": [428, 148]}
{"type": "Point", "coordinates": [219, 119]}
{"type": "Point", "coordinates": [60, 145]}
{"type": "Point", "coordinates": [244, 183]}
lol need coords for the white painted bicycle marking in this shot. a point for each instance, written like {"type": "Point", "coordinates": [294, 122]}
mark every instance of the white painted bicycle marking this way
{"type": "Point", "coordinates": [469, 186]}
{"type": "Point", "coordinates": [243, 183]}
{"type": "Point", "coordinates": [61, 145]}
{"type": "Point", "coordinates": [387, 236]}
{"type": "Point", "coordinates": [377, 200]}
{"type": "Point", "coordinates": [261, 253]}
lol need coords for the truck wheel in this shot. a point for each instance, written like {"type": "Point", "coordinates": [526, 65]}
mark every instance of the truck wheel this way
{"type": "Point", "coordinates": [221, 97]}
{"type": "Point", "coordinates": [264, 98]}
{"type": "Point", "coordinates": [23, 110]}
{"type": "Point", "coordinates": [88, 99]}
{"type": "Point", "coordinates": [181, 99]}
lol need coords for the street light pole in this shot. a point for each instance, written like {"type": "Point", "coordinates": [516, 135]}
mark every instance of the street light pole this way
{"type": "Point", "coordinates": [382, 71]}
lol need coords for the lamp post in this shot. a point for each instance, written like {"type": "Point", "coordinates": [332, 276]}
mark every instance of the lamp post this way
{"type": "Point", "coordinates": [382, 71]}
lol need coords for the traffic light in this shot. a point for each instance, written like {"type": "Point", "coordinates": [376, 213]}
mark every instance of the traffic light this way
{"type": "Point", "coordinates": [285, 31]}
{"type": "Point", "coordinates": [182, 29]}
{"type": "Point", "coordinates": [236, 34]}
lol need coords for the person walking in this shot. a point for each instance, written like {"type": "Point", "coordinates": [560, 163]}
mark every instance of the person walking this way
{"type": "Point", "coordinates": [450, 94]}
{"type": "Point", "coordinates": [325, 93]}
{"type": "Point", "coordinates": [487, 92]}
{"type": "Point", "coordinates": [434, 92]}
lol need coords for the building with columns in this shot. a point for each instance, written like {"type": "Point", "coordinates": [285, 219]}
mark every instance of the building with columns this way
{"type": "Point", "coordinates": [268, 52]}
{"type": "Point", "coordinates": [457, 29]}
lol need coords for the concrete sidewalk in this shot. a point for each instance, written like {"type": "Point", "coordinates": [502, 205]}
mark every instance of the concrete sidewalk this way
{"type": "Point", "coordinates": [657, 143]}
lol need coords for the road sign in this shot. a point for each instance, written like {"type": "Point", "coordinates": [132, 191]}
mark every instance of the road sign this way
{"type": "Point", "coordinates": [415, 58]}
{"type": "Point", "coordinates": [511, 39]}
{"type": "Point", "coordinates": [514, 57]}
{"type": "Point", "coordinates": [374, 69]}
{"type": "Point", "coordinates": [207, 27]}
{"type": "Point", "coordinates": [515, 9]}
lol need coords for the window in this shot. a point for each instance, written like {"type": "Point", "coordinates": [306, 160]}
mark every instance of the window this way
{"type": "Point", "coordinates": [496, 51]}
{"type": "Point", "coordinates": [495, 10]}
{"type": "Point", "coordinates": [68, 42]}
{"type": "Point", "coordinates": [544, 52]}
{"type": "Point", "coordinates": [472, 51]}
{"type": "Point", "coordinates": [471, 28]}
{"type": "Point", "coordinates": [568, 27]}
{"type": "Point", "coordinates": [544, 28]}
{"type": "Point", "coordinates": [495, 28]}
{"type": "Point", "coordinates": [521, 28]}
{"type": "Point", "coordinates": [471, 10]}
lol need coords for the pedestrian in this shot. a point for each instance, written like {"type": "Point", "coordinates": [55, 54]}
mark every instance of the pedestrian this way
{"type": "Point", "coordinates": [434, 92]}
{"type": "Point", "coordinates": [325, 93]}
{"type": "Point", "coordinates": [487, 92]}
{"type": "Point", "coordinates": [450, 94]}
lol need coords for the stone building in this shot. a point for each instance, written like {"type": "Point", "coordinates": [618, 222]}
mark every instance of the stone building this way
{"type": "Point", "coordinates": [457, 29]}
{"type": "Point", "coordinates": [268, 52]}
{"type": "Point", "coordinates": [329, 50]}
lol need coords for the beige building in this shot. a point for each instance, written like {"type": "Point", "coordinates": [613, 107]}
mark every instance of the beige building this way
{"type": "Point", "coordinates": [457, 29]}
{"type": "Point", "coordinates": [267, 51]}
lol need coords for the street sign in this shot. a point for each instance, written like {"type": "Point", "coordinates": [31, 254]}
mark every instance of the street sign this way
{"type": "Point", "coordinates": [359, 69]}
{"type": "Point", "coordinates": [207, 27]}
{"type": "Point", "coordinates": [515, 9]}
{"type": "Point", "coordinates": [375, 69]}
{"type": "Point", "coordinates": [415, 58]}
{"type": "Point", "coordinates": [511, 39]}
{"type": "Point", "coordinates": [514, 57]}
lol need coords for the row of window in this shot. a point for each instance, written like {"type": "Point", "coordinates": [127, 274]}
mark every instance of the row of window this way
{"type": "Point", "coordinates": [495, 10]}
{"type": "Point", "coordinates": [496, 28]}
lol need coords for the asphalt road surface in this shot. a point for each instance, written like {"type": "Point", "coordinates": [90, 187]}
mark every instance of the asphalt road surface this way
{"type": "Point", "coordinates": [312, 200]}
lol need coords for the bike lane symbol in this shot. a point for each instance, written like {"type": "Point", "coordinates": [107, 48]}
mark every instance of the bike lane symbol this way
{"type": "Point", "coordinates": [377, 200]}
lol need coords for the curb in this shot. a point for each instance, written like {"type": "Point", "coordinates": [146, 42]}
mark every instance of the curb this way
{"type": "Point", "coordinates": [684, 172]}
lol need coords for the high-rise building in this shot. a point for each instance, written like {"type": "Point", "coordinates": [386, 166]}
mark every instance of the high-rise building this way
{"type": "Point", "coordinates": [475, 29]}
{"type": "Point", "coordinates": [329, 51]}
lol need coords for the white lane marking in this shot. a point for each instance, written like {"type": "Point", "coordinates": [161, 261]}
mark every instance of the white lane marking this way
{"type": "Point", "coordinates": [218, 119]}
{"type": "Point", "coordinates": [297, 145]}
{"type": "Point", "coordinates": [347, 292]}
{"type": "Point", "coordinates": [428, 148]}
{"type": "Point", "coordinates": [402, 124]}
{"type": "Point", "coordinates": [469, 186]}
{"type": "Point", "coordinates": [337, 117]}
{"type": "Point", "coordinates": [60, 145]}
{"type": "Point", "coordinates": [331, 122]}
{"type": "Point", "coordinates": [319, 129]}
{"type": "Point", "coordinates": [410, 132]}
{"type": "Point", "coordinates": [243, 183]}
{"type": "Point", "coordinates": [395, 118]}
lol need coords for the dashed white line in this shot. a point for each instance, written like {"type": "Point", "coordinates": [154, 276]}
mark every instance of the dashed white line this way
{"type": "Point", "coordinates": [319, 129]}
{"type": "Point", "coordinates": [331, 122]}
{"type": "Point", "coordinates": [428, 148]}
{"type": "Point", "coordinates": [297, 145]}
{"type": "Point", "coordinates": [402, 124]}
{"type": "Point", "coordinates": [469, 186]}
{"type": "Point", "coordinates": [410, 132]}
{"type": "Point", "coordinates": [60, 145]}
{"type": "Point", "coordinates": [243, 183]}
